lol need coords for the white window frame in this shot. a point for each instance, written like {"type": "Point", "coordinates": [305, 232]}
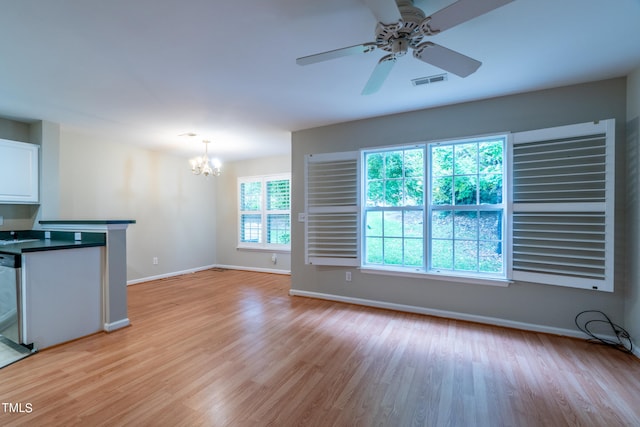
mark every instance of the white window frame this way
{"type": "Point", "coordinates": [262, 244]}
{"type": "Point", "coordinates": [498, 278]}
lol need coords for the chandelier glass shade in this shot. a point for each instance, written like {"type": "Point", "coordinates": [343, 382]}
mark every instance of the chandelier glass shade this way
{"type": "Point", "coordinates": [203, 166]}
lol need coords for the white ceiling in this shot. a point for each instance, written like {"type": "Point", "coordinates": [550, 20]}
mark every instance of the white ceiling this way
{"type": "Point", "coordinates": [144, 71]}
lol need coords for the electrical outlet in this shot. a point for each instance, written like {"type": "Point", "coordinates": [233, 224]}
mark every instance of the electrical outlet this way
{"type": "Point", "coordinates": [155, 260]}
{"type": "Point", "coordinates": [347, 276]}
{"type": "Point", "coordinates": [274, 258]}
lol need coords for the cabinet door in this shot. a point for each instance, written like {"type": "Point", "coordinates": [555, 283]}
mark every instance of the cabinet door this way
{"type": "Point", "coordinates": [18, 172]}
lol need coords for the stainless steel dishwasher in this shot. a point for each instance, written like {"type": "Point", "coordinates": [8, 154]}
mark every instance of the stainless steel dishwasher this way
{"type": "Point", "coordinates": [10, 297]}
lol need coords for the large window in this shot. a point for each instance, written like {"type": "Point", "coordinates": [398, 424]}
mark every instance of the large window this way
{"type": "Point", "coordinates": [264, 212]}
{"type": "Point", "coordinates": [534, 206]}
{"type": "Point", "coordinates": [436, 207]}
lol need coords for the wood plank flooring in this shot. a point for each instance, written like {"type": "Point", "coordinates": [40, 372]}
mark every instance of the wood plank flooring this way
{"type": "Point", "coordinates": [232, 348]}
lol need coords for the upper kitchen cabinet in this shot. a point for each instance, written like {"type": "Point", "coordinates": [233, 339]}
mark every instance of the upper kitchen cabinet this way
{"type": "Point", "coordinates": [19, 170]}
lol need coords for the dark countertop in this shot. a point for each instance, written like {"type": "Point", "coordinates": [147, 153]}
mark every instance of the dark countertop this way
{"type": "Point", "coordinates": [57, 240]}
{"type": "Point", "coordinates": [87, 221]}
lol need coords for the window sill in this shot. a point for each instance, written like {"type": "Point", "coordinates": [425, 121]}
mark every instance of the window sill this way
{"type": "Point", "coordinates": [278, 250]}
{"type": "Point", "coordinates": [435, 276]}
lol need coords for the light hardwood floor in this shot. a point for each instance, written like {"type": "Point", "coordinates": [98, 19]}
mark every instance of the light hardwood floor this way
{"type": "Point", "coordinates": [232, 348]}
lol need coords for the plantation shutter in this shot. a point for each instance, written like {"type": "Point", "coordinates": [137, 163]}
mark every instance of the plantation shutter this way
{"type": "Point", "coordinates": [563, 205]}
{"type": "Point", "coordinates": [331, 206]}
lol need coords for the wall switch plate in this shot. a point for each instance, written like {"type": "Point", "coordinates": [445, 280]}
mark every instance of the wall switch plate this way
{"type": "Point", "coordinates": [301, 216]}
{"type": "Point", "coordinates": [155, 260]}
{"type": "Point", "coordinates": [347, 276]}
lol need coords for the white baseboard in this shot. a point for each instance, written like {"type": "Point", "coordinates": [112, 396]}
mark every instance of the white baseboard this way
{"type": "Point", "coordinates": [206, 267]}
{"type": "Point", "coordinates": [257, 270]}
{"type": "Point", "coordinates": [166, 275]}
{"type": "Point", "coordinates": [442, 313]}
{"type": "Point", "coordinates": [113, 326]}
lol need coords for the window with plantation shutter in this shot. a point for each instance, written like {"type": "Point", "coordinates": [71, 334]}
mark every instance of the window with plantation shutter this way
{"type": "Point", "coordinates": [331, 206]}
{"type": "Point", "coordinates": [563, 205]}
{"type": "Point", "coordinates": [264, 212]}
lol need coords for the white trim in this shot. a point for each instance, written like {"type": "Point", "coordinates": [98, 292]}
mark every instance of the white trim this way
{"type": "Point", "coordinates": [206, 267]}
{"type": "Point", "coordinates": [277, 248]}
{"type": "Point", "coordinates": [443, 313]}
{"type": "Point", "coordinates": [171, 274]}
{"type": "Point", "coordinates": [256, 269]}
{"type": "Point", "coordinates": [445, 277]}
{"type": "Point", "coordinates": [113, 326]}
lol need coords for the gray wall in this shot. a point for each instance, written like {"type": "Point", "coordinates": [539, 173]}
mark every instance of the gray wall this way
{"type": "Point", "coordinates": [542, 305]}
{"type": "Point", "coordinates": [632, 301]}
{"type": "Point", "coordinates": [227, 216]}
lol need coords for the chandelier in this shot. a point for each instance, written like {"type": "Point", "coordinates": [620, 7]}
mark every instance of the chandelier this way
{"type": "Point", "coordinates": [203, 166]}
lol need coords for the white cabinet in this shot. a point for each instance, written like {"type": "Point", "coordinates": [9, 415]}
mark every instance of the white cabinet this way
{"type": "Point", "coordinates": [18, 172]}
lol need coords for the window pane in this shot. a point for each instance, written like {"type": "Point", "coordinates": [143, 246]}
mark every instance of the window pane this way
{"type": "Point", "coordinates": [250, 228]}
{"type": "Point", "coordinates": [374, 224]}
{"type": "Point", "coordinates": [490, 189]}
{"type": "Point", "coordinates": [375, 166]}
{"type": "Point", "coordinates": [393, 194]}
{"type": "Point", "coordinates": [250, 196]}
{"type": "Point", "coordinates": [375, 193]}
{"type": "Point", "coordinates": [413, 226]}
{"type": "Point", "coordinates": [466, 190]}
{"type": "Point", "coordinates": [278, 227]}
{"type": "Point", "coordinates": [393, 164]}
{"type": "Point", "coordinates": [394, 228]}
{"type": "Point", "coordinates": [278, 195]}
{"type": "Point", "coordinates": [442, 224]}
{"type": "Point", "coordinates": [442, 254]}
{"type": "Point", "coordinates": [466, 225]}
{"type": "Point", "coordinates": [414, 191]}
{"type": "Point", "coordinates": [490, 257]}
{"type": "Point", "coordinates": [491, 225]}
{"type": "Point", "coordinates": [490, 157]}
{"type": "Point", "coordinates": [442, 161]}
{"type": "Point", "coordinates": [414, 163]}
{"type": "Point", "coordinates": [466, 255]}
{"type": "Point", "coordinates": [393, 224]}
{"type": "Point", "coordinates": [374, 250]}
{"type": "Point", "coordinates": [393, 251]}
{"type": "Point", "coordinates": [442, 192]}
{"type": "Point", "coordinates": [466, 159]}
{"type": "Point", "coordinates": [413, 252]}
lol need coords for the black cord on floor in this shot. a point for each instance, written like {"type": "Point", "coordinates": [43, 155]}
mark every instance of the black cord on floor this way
{"type": "Point", "coordinates": [623, 341]}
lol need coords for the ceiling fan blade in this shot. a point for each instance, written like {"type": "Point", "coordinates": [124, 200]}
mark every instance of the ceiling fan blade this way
{"type": "Point", "coordinates": [336, 53]}
{"type": "Point", "coordinates": [459, 12]}
{"type": "Point", "coordinates": [447, 59]}
{"type": "Point", "coordinates": [379, 75]}
{"type": "Point", "coordinates": [385, 11]}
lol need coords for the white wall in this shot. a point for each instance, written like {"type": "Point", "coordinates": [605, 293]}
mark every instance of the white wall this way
{"type": "Point", "coordinates": [174, 210]}
{"type": "Point", "coordinates": [546, 307]}
{"type": "Point", "coordinates": [227, 216]}
{"type": "Point", "coordinates": [632, 301]}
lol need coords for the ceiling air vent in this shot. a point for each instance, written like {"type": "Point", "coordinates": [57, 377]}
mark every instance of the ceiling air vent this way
{"type": "Point", "coordinates": [431, 79]}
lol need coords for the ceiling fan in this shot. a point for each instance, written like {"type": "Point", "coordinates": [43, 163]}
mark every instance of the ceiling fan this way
{"type": "Point", "coordinates": [403, 26]}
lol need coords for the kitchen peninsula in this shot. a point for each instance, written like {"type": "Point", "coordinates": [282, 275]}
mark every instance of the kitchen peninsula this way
{"type": "Point", "coordinates": [73, 278]}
